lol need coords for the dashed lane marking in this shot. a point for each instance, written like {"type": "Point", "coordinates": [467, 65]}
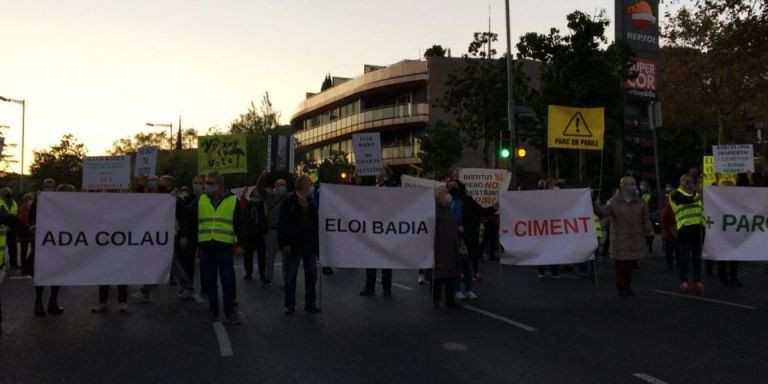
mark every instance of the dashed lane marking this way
{"type": "Point", "coordinates": [221, 334]}
{"type": "Point", "coordinates": [500, 318]}
{"type": "Point", "coordinates": [648, 378]}
{"type": "Point", "coordinates": [704, 299]}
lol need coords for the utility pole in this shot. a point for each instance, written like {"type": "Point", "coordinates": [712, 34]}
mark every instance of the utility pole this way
{"type": "Point", "coordinates": [511, 108]}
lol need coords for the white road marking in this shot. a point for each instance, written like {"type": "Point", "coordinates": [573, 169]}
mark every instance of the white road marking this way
{"type": "Point", "coordinates": [648, 378]}
{"type": "Point", "coordinates": [221, 334]}
{"type": "Point", "coordinates": [198, 298]}
{"type": "Point", "coordinates": [407, 288]}
{"type": "Point", "coordinates": [500, 318]}
{"type": "Point", "coordinates": [704, 299]}
{"type": "Point", "coordinates": [20, 277]}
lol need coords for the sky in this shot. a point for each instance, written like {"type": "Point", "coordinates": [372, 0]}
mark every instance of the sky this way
{"type": "Point", "coordinates": [100, 70]}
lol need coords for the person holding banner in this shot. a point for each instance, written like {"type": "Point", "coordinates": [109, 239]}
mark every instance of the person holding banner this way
{"type": "Point", "coordinates": [219, 226]}
{"type": "Point", "coordinates": [298, 239]}
{"type": "Point", "coordinates": [446, 251]}
{"type": "Point", "coordinates": [629, 227]}
{"type": "Point", "coordinates": [25, 239]}
{"type": "Point", "coordinates": [273, 202]}
{"type": "Point", "coordinates": [689, 214]}
{"type": "Point", "coordinates": [254, 212]}
{"type": "Point", "coordinates": [384, 179]}
{"type": "Point", "coordinates": [49, 185]}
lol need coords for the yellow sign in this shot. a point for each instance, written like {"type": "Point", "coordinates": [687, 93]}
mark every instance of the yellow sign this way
{"type": "Point", "coordinates": [576, 128]}
{"type": "Point", "coordinates": [225, 153]}
{"type": "Point", "coordinates": [708, 173]}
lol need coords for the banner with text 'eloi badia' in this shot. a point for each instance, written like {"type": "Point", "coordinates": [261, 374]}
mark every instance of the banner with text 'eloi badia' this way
{"type": "Point", "coordinates": [546, 227]}
{"type": "Point", "coordinates": [103, 238]}
{"type": "Point", "coordinates": [736, 223]}
{"type": "Point", "coordinates": [370, 227]}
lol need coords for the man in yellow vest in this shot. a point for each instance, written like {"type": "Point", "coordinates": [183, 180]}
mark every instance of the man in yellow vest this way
{"type": "Point", "coordinates": [12, 208]}
{"type": "Point", "coordinates": [689, 214]}
{"type": "Point", "coordinates": [219, 228]}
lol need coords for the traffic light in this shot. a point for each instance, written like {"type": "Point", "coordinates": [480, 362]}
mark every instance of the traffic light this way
{"type": "Point", "coordinates": [504, 145]}
{"type": "Point", "coordinates": [520, 152]}
{"type": "Point", "coordinates": [504, 153]}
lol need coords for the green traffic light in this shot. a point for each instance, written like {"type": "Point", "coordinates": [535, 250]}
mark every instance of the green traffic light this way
{"type": "Point", "coordinates": [504, 153]}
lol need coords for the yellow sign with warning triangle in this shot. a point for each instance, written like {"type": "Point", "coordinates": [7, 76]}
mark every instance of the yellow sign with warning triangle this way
{"type": "Point", "coordinates": [576, 128]}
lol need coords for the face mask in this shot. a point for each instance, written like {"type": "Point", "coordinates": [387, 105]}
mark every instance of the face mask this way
{"type": "Point", "coordinates": [644, 188]}
{"type": "Point", "coordinates": [281, 190]}
{"type": "Point", "coordinates": [152, 184]}
{"type": "Point", "coordinates": [211, 189]}
{"type": "Point", "coordinates": [630, 192]}
{"type": "Point", "coordinates": [184, 195]}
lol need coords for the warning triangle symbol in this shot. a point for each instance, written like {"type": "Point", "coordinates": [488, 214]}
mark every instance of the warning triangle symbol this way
{"type": "Point", "coordinates": [577, 127]}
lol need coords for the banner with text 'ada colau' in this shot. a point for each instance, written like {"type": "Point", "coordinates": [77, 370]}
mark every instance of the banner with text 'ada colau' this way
{"type": "Point", "coordinates": [370, 227]}
{"type": "Point", "coordinates": [103, 238]}
{"type": "Point", "coordinates": [546, 227]}
{"type": "Point", "coordinates": [736, 223]}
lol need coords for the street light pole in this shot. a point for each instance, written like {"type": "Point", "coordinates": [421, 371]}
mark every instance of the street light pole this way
{"type": "Point", "coordinates": [23, 128]}
{"type": "Point", "coordinates": [511, 107]}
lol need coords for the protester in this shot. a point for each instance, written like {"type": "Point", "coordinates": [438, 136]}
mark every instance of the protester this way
{"type": "Point", "coordinates": [298, 240]}
{"type": "Point", "coordinates": [689, 214]}
{"type": "Point", "coordinates": [446, 251]}
{"type": "Point", "coordinates": [9, 204]}
{"type": "Point", "coordinates": [122, 299]}
{"type": "Point", "coordinates": [11, 221]}
{"type": "Point", "coordinates": [669, 234]}
{"type": "Point", "coordinates": [645, 195]}
{"type": "Point", "coordinates": [384, 179]}
{"type": "Point", "coordinates": [49, 186]}
{"type": "Point", "coordinates": [254, 212]}
{"type": "Point", "coordinates": [273, 202]}
{"type": "Point", "coordinates": [490, 243]}
{"type": "Point", "coordinates": [25, 239]}
{"type": "Point", "coordinates": [220, 226]}
{"type": "Point", "coordinates": [188, 233]}
{"type": "Point", "coordinates": [629, 227]}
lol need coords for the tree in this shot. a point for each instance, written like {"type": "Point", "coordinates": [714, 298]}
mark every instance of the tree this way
{"type": "Point", "coordinates": [441, 148]}
{"type": "Point", "coordinates": [435, 51]}
{"type": "Point", "coordinates": [256, 124]}
{"type": "Point", "coordinates": [327, 83]}
{"type": "Point", "coordinates": [726, 61]}
{"type": "Point", "coordinates": [129, 145]}
{"type": "Point", "coordinates": [62, 162]}
{"type": "Point", "coordinates": [333, 166]}
{"type": "Point", "coordinates": [577, 71]}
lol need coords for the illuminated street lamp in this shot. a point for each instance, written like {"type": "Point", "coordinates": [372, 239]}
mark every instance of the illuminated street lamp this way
{"type": "Point", "coordinates": [23, 123]}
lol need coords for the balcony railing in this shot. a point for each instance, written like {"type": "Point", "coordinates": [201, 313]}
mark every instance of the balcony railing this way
{"type": "Point", "coordinates": [362, 120]}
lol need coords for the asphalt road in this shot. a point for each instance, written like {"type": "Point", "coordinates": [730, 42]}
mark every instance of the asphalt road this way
{"type": "Point", "coordinates": [521, 330]}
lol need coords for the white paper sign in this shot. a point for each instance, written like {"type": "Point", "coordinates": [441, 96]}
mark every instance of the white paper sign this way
{"type": "Point", "coordinates": [737, 158]}
{"type": "Point", "coordinates": [104, 238]}
{"type": "Point", "coordinates": [102, 173]}
{"type": "Point", "coordinates": [146, 160]}
{"type": "Point", "coordinates": [367, 153]}
{"type": "Point", "coordinates": [484, 185]}
{"type": "Point", "coordinates": [407, 181]}
{"type": "Point", "coordinates": [736, 223]}
{"type": "Point", "coordinates": [370, 227]}
{"type": "Point", "coordinates": [545, 227]}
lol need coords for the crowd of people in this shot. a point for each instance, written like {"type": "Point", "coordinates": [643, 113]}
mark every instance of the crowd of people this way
{"type": "Point", "coordinates": [214, 225]}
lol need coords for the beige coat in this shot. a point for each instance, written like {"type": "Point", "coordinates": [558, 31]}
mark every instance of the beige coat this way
{"type": "Point", "coordinates": [630, 225]}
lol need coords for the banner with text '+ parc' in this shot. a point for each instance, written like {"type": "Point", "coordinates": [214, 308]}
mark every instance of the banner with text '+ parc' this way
{"type": "Point", "coordinates": [736, 223]}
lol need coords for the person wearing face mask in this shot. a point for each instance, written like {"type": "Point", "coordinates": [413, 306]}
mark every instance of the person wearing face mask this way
{"type": "Point", "coordinates": [689, 214]}
{"type": "Point", "coordinates": [188, 234]}
{"type": "Point", "coordinates": [446, 251]}
{"type": "Point", "coordinates": [629, 226]}
{"type": "Point", "coordinates": [10, 206]}
{"type": "Point", "coordinates": [253, 210]}
{"type": "Point", "coordinates": [645, 195]}
{"type": "Point", "coordinates": [49, 186]}
{"type": "Point", "coordinates": [25, 239]}
{"type": "Point", "coordinates": [273, 201]}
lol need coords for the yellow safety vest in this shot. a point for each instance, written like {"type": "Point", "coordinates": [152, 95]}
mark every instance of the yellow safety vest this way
{"type": "Point", "coordinates": [687, 214]}
{"type": "Point", "coordinates": [646, 197]}
{"type": "Point", "coordinates": [598, 227]}
{"type": "Point", "coordinates": [13, 210]}
{"type": "Point", "coordinates": [3, 236]}
{"type": "Point", "coordinates": [215, 224]}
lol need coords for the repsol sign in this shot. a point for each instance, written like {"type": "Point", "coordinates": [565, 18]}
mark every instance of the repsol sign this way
{"type": "Point", "coordinates": [105, 238]}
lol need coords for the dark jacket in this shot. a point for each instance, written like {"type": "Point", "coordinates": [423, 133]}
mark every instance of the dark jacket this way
{"type": "Point", "coordinates": [293, 231]}
{"type": "Point", "coordinates": [446, 244]}
{"type": "Point", "coordinates": [472, 214]}
{"type": "Point", "coordinates": [237, 222]}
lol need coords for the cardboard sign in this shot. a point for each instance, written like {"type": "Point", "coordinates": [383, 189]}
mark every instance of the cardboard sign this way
{"type": "Point", "coordinates": [101, 173]}
{"type": "Point", "coordinates": [737, 158]}
{"type": "Point", "coordinates": [367, 153]}
{"type": "Point", "coordinates": [146, 160]}
{"type": "Point", "coordinates": [484, 185]}
{"type": "Point", "coordinates": [224, 153]}
{"type": "Point", "coordinates": [575, 128]}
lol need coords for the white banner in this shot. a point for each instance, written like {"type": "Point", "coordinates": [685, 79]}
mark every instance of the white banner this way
{"type": "Point", "coordinates": [546, 227]}
{"type": "Point", "coordinates": [484, 185]}
{"type": "Point", "coordinates": [101, 173]}
{"type": "Point", "coordinates": [370, 227]}
{"type": "Point", "coordinates": [738, 158]}
{"type": "Point", "coordinates": [146, 160]}
{"type": "Point", "coordinates": [407, 181]}
{"type": "Point", "coordinates": [737, 222]}
{"type": "Point", "coordinates": [367, 153]}
{"type": "Point", "coordinates": [103, 238]}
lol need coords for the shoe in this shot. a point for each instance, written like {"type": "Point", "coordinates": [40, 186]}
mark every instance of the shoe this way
{"type": "Point", "coordinates": [684, 287]}
{"type": "Point", "coordinates": [366, 292]}
{"type": "Point", "coordinates": [185, 294]}
{"type": "Point", "coordinates": [233, 319]}
{"type": "Point", "coordinates": [311, 309]}
{"type": "Point", "coordinates": [471, 295]}
{"type": "Point", "coordinates": [211, 317]}
{"type": "Point", "coordinates": [420, 280]}
{"type": "Point", "coordinates": [542, 276]}
{"type": "Point", "coordinates": [248, 277]}
{"type": "Point", "coordinates": [290, 310]}
{"type": "Point", "coordinates": [54, 309]}
{"type": "Point", "coordinates": [387, 292]}
{"type": "Point", "coordinates": [39, 311]}
{"type": "Point", "coordinates": [460, 296]}
{"type": "Point", "coordinates": [101, 308]}
{"type": "Point", "coordinates": [698, 287]}
{"type": "Point", "coordinates": [122, 307]}
{"type": "Point", "coordinates": [140, 297]}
